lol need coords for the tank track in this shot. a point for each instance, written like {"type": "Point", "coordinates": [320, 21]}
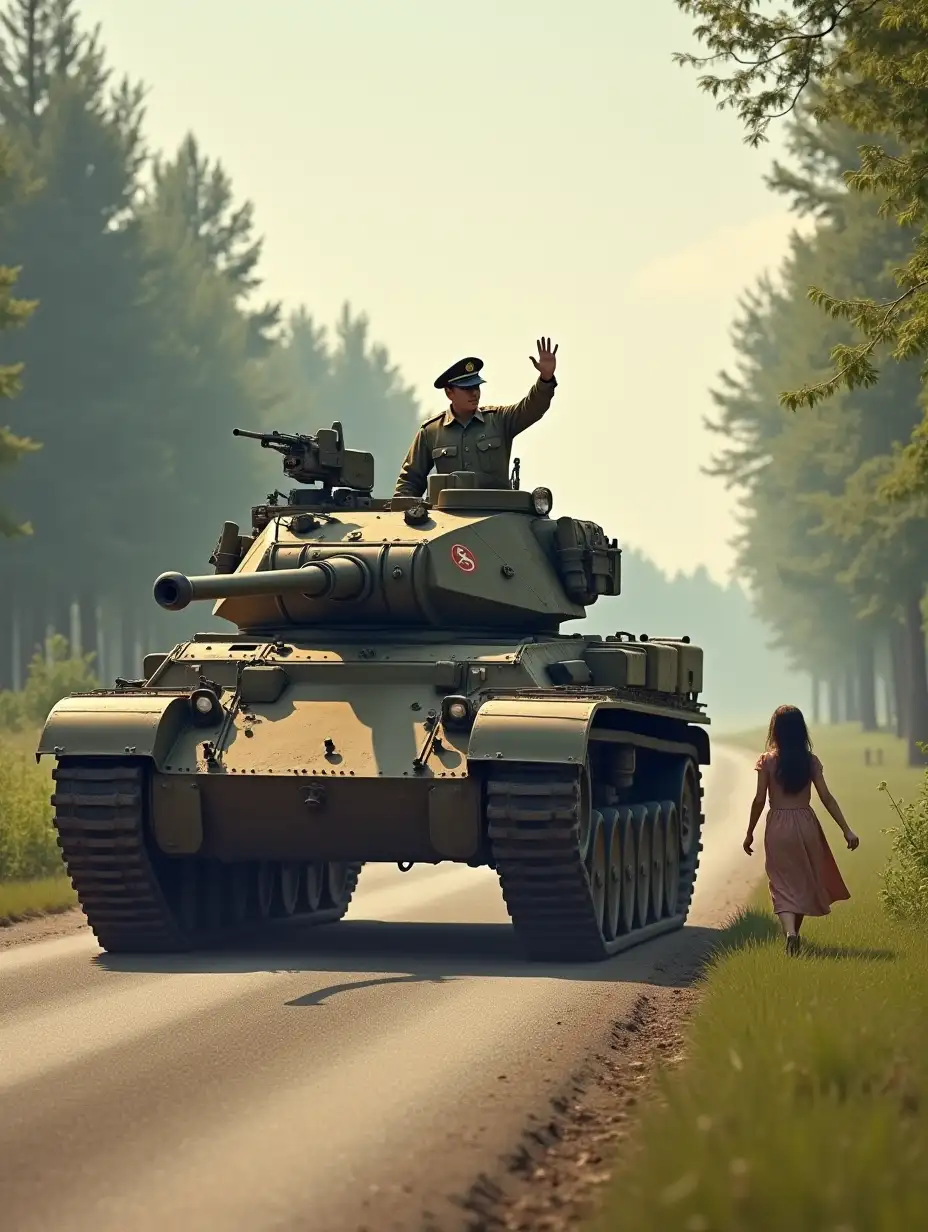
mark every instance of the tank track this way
{"type": "Point", "coordinates": [533, 825]}
{"type": "Point", "coordinates": [131, 894]}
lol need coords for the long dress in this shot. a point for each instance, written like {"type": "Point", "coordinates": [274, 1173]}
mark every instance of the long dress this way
{"type": "Point", "coordinates": [801, 870]}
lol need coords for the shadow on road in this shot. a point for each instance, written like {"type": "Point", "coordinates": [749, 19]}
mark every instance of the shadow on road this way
{"type": "Point", "coordinates": [426, 952]}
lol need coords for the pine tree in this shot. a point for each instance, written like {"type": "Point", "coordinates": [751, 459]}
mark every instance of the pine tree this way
{"type": "Point", "coordinates": [13, 314]}
{"type": "Point", "coordinates": [191, 187]}
{"type": "Point", "coordinates": [864, 65]}
{"type": "Point", "coordinates": [354, 382]}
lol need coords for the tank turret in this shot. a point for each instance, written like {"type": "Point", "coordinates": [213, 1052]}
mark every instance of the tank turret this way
{"type": "Point", "coordinates": [483, 557]}
{"type": "Point", "coordinates": [395, 686]}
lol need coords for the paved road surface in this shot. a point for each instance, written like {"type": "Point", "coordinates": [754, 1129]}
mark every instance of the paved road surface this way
{"type": "Point", "coordinates": [352, 1084]}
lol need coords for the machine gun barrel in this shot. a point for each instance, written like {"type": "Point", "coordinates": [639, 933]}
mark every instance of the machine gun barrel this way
{"type": "Point", "coordinates": [269, 439]}
{"type": "Point", "coordinates": [338, 577]}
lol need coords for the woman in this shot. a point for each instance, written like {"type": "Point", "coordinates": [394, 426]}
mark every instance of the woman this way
{"type": "Point", "coordinates": [801, 871]}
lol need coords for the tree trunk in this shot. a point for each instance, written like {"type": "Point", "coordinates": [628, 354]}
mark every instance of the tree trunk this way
{"type": "Point", "coordinates": [816, 700]}
{"type": "Point", "coordinates": [901, 688]}
{"type": "Point", "coordinates": [834, 700]}
{"type": "Point", "coordinates": [918, 678]}
{"type": "Point", "coordinates": [866, 684]}
{"type": "Point", "coordinates": [851, 699]}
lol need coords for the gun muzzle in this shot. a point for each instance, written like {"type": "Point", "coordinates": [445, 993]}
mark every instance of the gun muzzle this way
{"type": "Point", "coordinates": [338, 578]}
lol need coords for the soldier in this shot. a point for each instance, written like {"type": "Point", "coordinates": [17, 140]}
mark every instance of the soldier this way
{"type": "Point", "coordinates": [467, 438]}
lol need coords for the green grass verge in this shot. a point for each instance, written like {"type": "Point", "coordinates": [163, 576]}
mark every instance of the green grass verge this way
{"type": "Point", "coordinates": [32, 879]}
{"type": "Point", "coordinates": [21, 900]}
{"type": "Point", "coordinates": [803, 1102]}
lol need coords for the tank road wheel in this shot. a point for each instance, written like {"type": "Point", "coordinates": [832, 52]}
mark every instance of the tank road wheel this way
{"type": "Point", "coordinates": [596, 865]}
{"type": "Point", "coordinates": [214, 905]}
{"type": "Point", "coordinates": [287, 892]}
{"type": "Point", "coordinates": [336, 876]}
{"type": "Point", "coordinates": [586, 816]}
{"type": "Point", "coordinates": [691, 822]}
{"type": "Point", "coordinates": [642, 831]}
{"type": "Point", "coordinates": [628, 896]}
{"type": "Point", "coordinates": [237, 892]}
{"type": "Point", "coordinates": [313, 884]}
{"type": "Point", "coordinates": [658, 860]}
{"type": "Point", "coordinates": [139, 900]}
{"type": "Point", "coordinates": [612, 826]}
{"type": "Point", "coordinates": [536, 820]}
{"type": "Point", "coordinates": [188, 879]}
{"type": "Point", "coordinates": [689, 816]}
{"type": "Point", "coordinates": [671, 857]}
{"type": "Point", "coordinates": [264, 889]}
{"type": "Point", "coordinates": [340, 881]}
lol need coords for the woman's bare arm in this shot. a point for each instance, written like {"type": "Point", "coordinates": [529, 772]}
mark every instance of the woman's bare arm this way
{"type": "Point", "coordinates": [757, 806]}
{"type": "Point", "coordinates": [830, 803]}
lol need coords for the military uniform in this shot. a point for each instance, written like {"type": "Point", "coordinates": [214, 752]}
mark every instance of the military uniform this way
{"type": "Point", "coordinates": [483, 444]}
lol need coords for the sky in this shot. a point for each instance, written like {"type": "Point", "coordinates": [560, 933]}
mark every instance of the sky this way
{"type": "Point", "coordinates": [475, 175]}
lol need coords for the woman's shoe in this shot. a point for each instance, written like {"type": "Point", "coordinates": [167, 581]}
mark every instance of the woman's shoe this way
{"type": "Point", "coordinates": [792, 943]}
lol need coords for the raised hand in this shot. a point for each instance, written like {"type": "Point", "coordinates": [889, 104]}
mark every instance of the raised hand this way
{"type": "Point", "coordinates": [546, 362]}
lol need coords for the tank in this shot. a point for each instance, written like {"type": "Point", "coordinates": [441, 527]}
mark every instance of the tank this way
{"type": "Point", "coordinates": [388, 681]}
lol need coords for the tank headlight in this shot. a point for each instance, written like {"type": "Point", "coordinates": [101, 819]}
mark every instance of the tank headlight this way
{"type": "Point", "coordinates": [542, 500]}
{"type": "Point", "coordinates": [456, 712]}
{"type": "Point", "coordinates": [205, 707]}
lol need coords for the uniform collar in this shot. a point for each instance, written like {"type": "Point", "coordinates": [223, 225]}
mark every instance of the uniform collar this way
{"type": "Point", "coordinates": [448, 417]}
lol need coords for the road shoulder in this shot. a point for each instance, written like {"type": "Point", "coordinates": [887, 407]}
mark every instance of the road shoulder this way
{"type": "Point", "coordinates": [42, 928]}
{"type": "Point", "coordinates": [552, 1179]}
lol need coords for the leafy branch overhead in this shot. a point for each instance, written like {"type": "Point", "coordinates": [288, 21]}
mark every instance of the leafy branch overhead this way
{"type": "Point", "coordinates": [863, 64]}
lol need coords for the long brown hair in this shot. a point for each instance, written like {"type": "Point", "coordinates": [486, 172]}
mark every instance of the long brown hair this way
{"type": "Point", "coordinates": [788, 737]}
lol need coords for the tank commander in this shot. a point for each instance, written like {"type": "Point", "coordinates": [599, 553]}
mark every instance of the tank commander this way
{"type": "Point", "coordinates": [468, 437]}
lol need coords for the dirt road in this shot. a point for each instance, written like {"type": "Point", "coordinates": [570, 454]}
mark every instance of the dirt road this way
{"type": "Point", "coordinates": [357, 1079]}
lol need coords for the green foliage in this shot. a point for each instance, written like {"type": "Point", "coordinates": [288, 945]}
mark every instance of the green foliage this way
{"type": "Point", "coordinates": [797, 1106]}
{"type": "Point", "coordinates": [905, 877]}
{"type": "Point", "coordinates": [54, 673]}
{"type": "Point", "coordinates": [28, 847]}
{"type": "Point", "coordinates": [864, 63]}
{"type": "Point", "coordinates": [22, 900]}
{"type": "Point", "coordinates": [833, 557]}
{"type": "Point", "coordinates": [13, 313]}
{"type": "Point", "coordinates": [151, 342]}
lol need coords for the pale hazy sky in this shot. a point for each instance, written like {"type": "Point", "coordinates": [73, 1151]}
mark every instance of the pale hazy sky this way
{"type": "Point", "coordinates": [474, 174]}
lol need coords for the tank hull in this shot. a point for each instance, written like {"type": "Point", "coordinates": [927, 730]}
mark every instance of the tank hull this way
{"type": "Point", "coordinates": [332, 754]}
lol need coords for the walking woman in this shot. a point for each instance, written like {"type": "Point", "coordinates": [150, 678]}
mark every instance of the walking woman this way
{"type": "Point", "coordinates": [801, 871]}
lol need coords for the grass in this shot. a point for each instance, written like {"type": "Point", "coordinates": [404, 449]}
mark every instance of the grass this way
{"type": "Point", "coordinates": [32, 879]}
{"type": "Point", "coordinates": [21, 900]}
{"type": "Point", "coordinates": [803, 1103]}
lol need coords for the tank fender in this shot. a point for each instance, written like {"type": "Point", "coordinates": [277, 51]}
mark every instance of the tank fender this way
{"type": "Point", "coordinates": [522, 729]}
{"type": "Point", "coordinates": [550, 730]}
{"type": "Point", "coordinates": [114, 725]}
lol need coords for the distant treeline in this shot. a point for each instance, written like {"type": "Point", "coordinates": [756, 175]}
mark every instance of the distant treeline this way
{"type": "Point", "coordinates": [744, 678]}
{"type": "Point", "coordinates": [145, 340]}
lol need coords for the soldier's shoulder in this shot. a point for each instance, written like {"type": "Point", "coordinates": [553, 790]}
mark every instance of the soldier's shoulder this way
{"type": "Point", "coordinates": [432, 419]}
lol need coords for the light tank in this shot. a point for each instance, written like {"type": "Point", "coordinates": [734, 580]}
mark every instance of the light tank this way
{"type": "Point", "coordinates": [395, 687]}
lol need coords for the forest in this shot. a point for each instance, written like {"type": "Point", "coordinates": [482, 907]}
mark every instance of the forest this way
{"type": "Point", "coordinates": [822, 426]}
{"type": "Point", "coordinates": [135, 334]}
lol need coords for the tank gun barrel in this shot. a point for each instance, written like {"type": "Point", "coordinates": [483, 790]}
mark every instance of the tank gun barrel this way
{"type": "Point", "coordinates": [338, 577]}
